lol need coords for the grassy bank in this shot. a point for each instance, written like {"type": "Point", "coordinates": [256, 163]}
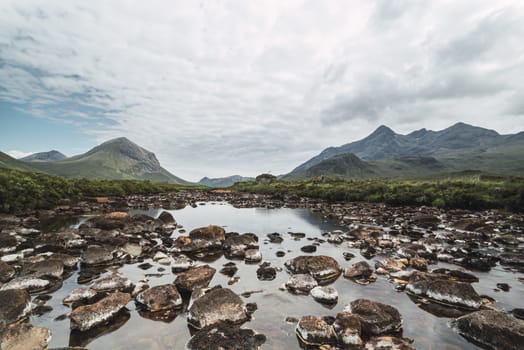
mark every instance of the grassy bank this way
{"type": "Point", "coordinates": [23, 191]}
{"type": "Point", "coordinates": [468, 193]}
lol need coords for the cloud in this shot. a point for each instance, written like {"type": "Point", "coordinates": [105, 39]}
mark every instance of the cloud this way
{"type": "Point", "coordinates": [215, 88]}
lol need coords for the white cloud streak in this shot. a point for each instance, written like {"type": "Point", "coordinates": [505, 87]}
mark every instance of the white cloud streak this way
{"type": "Point", "coordinates": [222, 87]}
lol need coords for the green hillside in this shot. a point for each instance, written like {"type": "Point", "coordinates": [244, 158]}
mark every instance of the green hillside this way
{"type": "Point", "coordinates": [8, 162]}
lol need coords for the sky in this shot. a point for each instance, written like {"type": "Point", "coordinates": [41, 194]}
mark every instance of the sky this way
{"type": "Point", "coordinates": [216, 88]}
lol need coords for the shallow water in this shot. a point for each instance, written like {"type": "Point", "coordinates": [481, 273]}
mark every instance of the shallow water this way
{"type": "Point", "coordinates": [132, 331]}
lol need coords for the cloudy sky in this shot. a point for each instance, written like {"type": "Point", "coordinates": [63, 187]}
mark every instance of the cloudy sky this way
{"type": "Point", "coordinates": [217, 88]}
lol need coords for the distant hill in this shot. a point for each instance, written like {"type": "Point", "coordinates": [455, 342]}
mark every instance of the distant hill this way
{"type": "Point", "coordinates": [224, 181]}
{"type": "Point", "coordinates": [8, 162]}
{"type": "Point", "coordinates": [457, 148]}
{"type": "Point", "coordinates": [51, 156]}
{"type": "Point", "coordinates": [114, 160]}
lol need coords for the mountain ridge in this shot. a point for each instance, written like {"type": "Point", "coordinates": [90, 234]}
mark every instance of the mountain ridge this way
{"type": "Point", "coordinates": [50, 156]}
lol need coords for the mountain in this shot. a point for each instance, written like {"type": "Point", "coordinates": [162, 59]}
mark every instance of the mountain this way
{"type": "Point", "coordinates": [117, 159]}
{"type": "Point", "coordinates": [224, 181]}
{"type": "Point", "coordinates": [8, 162]}
{"type": "Point", "coordinates": [456, 148]}
{"type": "Point", "coordinates": [341, 165]}
{"type": "Point", "coordinates": [51, 156]}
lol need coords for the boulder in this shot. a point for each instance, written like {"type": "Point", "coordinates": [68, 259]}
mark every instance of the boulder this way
{"type": "Point", "coordinates": [198, 276]}
{"type": "Point", "coordinates": [301, 283]}
{"type": "Point", "coordinates": [440, 289]}
{"type": "Point", "coordinates": [158, 298]}
{"type": "Point", "coordinates": [21, 336]}
{"type": "Point", "coordinates": [389, 343]}
{"type": "Point", "coordinates": [236, 245]}
{"type": "Point", "coordinates": [30, 283]}
{"type": "Point", "coordinates": [7, 272]}
{"type": "Point", "coordinates": [418, 263]}
{"type": "Point", "coordinates": [275, 237]}
{"type": "Point", "coordinates": [181, 263]}
{"type": "Point", "coordinates": [325, 294]}
{"type": "Point", "coordinates": [265, 272]}
{"type": "Point", "coordinates": [221, 304]}
{"type": "Point", "coordinates": [224, 336]}
{"type": "Point", "coordinates": [252, 256]}
{"type": "Point", "coordinates": [89, 316]}
{"type": "Point", "coordinates": [376, 318]}
{"type": "Point", "coordinates": [78, 295]}
{"type": "Point", "coordinates": [97, 255]}
{"type": "Point", "coordinates": [166, 218]}
{"type": "Point", "coordinates": [48, 267]}
{"type": "Point", "coordinates": [348, 329]}
{"type": "Point", "coordinates": [209, 233]}
{"type": "Point", "coordinates": [391, 264]}
{"type": "Point", "coordinates": [14, 305]}
{"type": "Point", "coordinates": [323, 268]}
{"type": "Point", "coordinates": [313, 330]}
{"type": "Point", "coordinates": [492, 329]}
{"type": "Point", "coordinates": [113, 283]}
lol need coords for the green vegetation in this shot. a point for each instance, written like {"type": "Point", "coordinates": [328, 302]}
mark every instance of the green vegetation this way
{"type": "Point", "coordinates": [21, 191]}
{"type": "Point", "coordinates": [470, 192]}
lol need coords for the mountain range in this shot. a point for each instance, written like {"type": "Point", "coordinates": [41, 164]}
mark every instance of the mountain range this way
{"type": "Point", "coordinates": [385, 153]}
{"type": "Point", "coordinates": [117, 159]}
{"type": "Point", "coordinates": [224, 181]}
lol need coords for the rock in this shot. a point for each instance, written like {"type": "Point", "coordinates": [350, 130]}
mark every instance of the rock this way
{"type": "Point", "coordinates": [111, 221]}
{"type": "Point", "coordinates": [14, 305]}
{"type": "Point", "coordinates": [132, 249]}
{"type": "Point", "coordinates": [518, 313]}
{"type": "Point", "coordinates": [23, 336]}
{"type": "Point", "coordinates": [348, 256]}
{"type": "Point", "coordinates": [236, 245]}
{"type": "Point", "coordinates": [229, 269]}
{"type": "Point", "coordinates": [512, 259]}
{"type": "Point", "coordinates": [158, 298]}
{"type": "Point", "coordinates": [309, 248]}
{"type": "Point", "coordinates": [275, 237]}
{"type": "Point", "coordinates": [166, 218]}
{"type": "Point", "coordinates": [368, 252]}
{"type": "Point", "coordinates": [457, 275]}
{"type": "Point", "coordinates": [209, 233]}
{"type": "Point", "coordinates": [96, 255]}
{"type": "Point", "coordinates": [89, 316]}
{"type": "Point", "coordinates": [391, 264]}
{"type": "Point", "coordinates": [265, 272]}
{"type": "Point", "coordinates": [67, 260]}
{"type": "Point", "coordinates": [324, 294]}
{"type": "Point", "coordinates": [440, 289]}
{"type": "Point", "coordinates": [301, 283]}
{"type": "Point", "coordinates": [29, 283]}
{"type": "Point", "coordinates": [224, 336]}
{"type": "Point", "coordinates": [418, 263]}
{"type": "Point", "coordinates": [49, 267]}
{"type": "Point", "coordinates": [112, 283]}
{"type": "Point", "coordinates": [7, 272]}
{"type": "Point", "coordinates": [348, 329]}
{"type": "Point", "coordinates": [181, 263]}
{"type": "Point", "coordinates": [221, 304]}
{"type": "Point", "coordinates": [504, 287]}
{"type": "Point", "coordinates": [79, 294]}
{"type": "Point", "coordinates": [389, 343]}
{"type": "Point", "coordinates": [376, 318]}
{"type": "Point", "coordinates": [323, 268]}
{"type": "Point", "coordinates": [360, 269]}
{"type": "Point", "coordinates": [313, 330]}
{"type": "Point", "coordinates": [253, 256]}
{"type": "Point", "coordinates": [280, 254]}
{"type": "Point", "coordinates": [492, 329]}
{"type": "Point", "coordinates": [198, 276]}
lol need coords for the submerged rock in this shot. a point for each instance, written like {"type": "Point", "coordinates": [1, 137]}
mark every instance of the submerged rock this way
{"type": "Point", "coordinates": [158, 298]}
{"type": "Point", "coordinates": [89, 316]}
{"type": "Point", "coordinates": [14, 305]}
{"type": "Point", "coordinates": [313, 330]}
{"type": "Point", "coordinates": [376, 318]}
{"type": "Point", "coordinates": [493, 329]}
{"type": "Point", "coordinates": [221, 304]}
{"type": "Point", "coordinates": [301, 283]}
{"type": "Point", "coordinates": [224, 336]}
{"type": "Point", "coordinates": [22, 336]}
{"type": "Point", "coordinates": [198, 276]}
{"type": "Point", "coordinates": [440, 289]}
{"type": "Point", "coordinates": [325, 294]}
{"type": "Point", "coordinates": [323, 268]}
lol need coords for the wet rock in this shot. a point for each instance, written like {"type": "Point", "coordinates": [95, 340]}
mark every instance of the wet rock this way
{"type": "Point", "coordinates": [67, 260]}
{"type": "Point", "coordinates": [348, 329]}
{"type": "Point", "coordinates": [503, 286]}
{"type": "Point", "coordinates": [229, 269]}
{"type": "Point", "coordinates": [275, 237]}
{"type": "Point", "coordinates": [323, 268]}
{"type": "Point", "coordinates": [22, 336]}
{"type": "Point", "coordinates": [368, 252]}
{"type": "Point", "coordinates": [420, 264]}
{"type": "Point", "coordinates": [253, 256]}
{"type": "Point", "coordinates": [236, 245]}
{"type": "Point", "coordinates": [265, 272]}
{"type": "Point", "coordinates": [111, 221]}
{"type": "Point", "coordinates": [158, 298]}
{"type": "Point", "coordinates": [112, 283]}
{"type": "Point", "coordinates": [313, 330]}
{"type": "Point", "coordinates": [457, 275]}
{"type": "Point", "coordinates": [79, 294]}
{"type": "Point", "coordinates": [221, 304]}
{"type": "Point", "coordinates": [440, 289]}
{"type": "Point", "coordinates": [360, 269]}
{"type": "Point", "coordinates": [132, 249]}
{"type": "Point", "coordinates": [7, 272]}
{"type": "Point", "coordinates": [376, 318]}
{"type": "Point", "coordinates": [280, 254]}
{"type": "Point", "coordinates": [348, 256]}
{"type": "Point", "coordinates": [426, 220]}
{"type": "Point", "coordinates": [49, 267]}
{"type": "Point", "coordinates": [96, 255]}
{"type": "Point", "coordinates": [324, 294]}
{"type": "Point", "coordinates": [198, 276]}
{"type": "Point", "coordinates": [209, 233]}
{"type": "Point", "coordinates": [493, 329]}
{"type": "Point", "coordinates": [30, 283]}
{"type": "Point", "coordinates": [389, 343]}
{"type": "Point", "coordinates": [145, 266]}
{"type": "Point", "coordinates": [301, 283]}
{"type": "Point", "coordinates": [89, 316]}
{"type": "Point", "coordinates": [512, 259]}
{"type": "Point", "coordinates": [309, 248]}
{"type": "Point", "coordinates": [224, 336]}
{"type": "Point", "coordinates": [166, 218]}
{"type": "Point", "coordinates": [518, 313]}
{"type": "Point", "coordinates": [14, 305]}
{"type": "Point", "coordinates": [391, 264]}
